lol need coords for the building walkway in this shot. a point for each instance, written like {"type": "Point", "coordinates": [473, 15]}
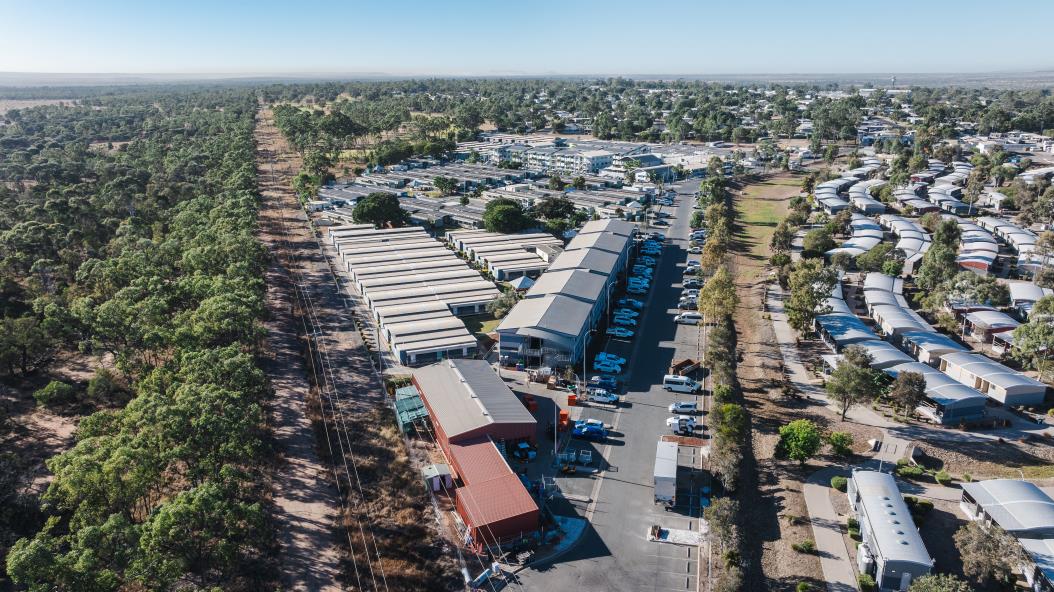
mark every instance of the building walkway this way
{"type": "Point", "coordinates": [893, 447]}
{"type": "Point", "coordinates": [835, 560]}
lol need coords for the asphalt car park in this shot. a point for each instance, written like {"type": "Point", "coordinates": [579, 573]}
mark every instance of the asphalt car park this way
{"type": "Point", "coordinates": [614, 554]}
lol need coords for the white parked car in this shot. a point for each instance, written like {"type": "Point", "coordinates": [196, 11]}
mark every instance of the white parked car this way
{"type": "Point", "coordinates": [604, 397]}
{"type": "Point", "coordinates": [695, 250]}
{"type": "Point", "coordinates": [626, 312]}
{"type": "Point", "coordinates": [619, 332]}
{"type": "Point", "coordinates": [684, 407]}
{"type": "Point", "coordinates": [675, 422]}
{"type": "Point", "coordinates": [688, 318]}
{"type": "Point", "coordinates": [608, 368]}
{"type": "Point", "coordinates": [690, 293]}
{"type": "Point", "coordinates": [624, 321]}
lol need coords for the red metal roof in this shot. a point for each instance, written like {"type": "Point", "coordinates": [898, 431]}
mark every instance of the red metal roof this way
{"type": "Point", "coordinates": [492, 491]}
{"type": "Point", "coordinates": [495, 500]}
{"type": "Point", "coordinates": [478, 460]}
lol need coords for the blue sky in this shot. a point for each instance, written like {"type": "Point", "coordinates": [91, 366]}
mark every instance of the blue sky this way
{"type": "Point", "coordinates": [523, 37]}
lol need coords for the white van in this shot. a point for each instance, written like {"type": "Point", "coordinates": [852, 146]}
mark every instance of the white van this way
{"type": "Point", "coordinates": [688, 318]}
{"type": "Point", "coordinates": [680, 384]}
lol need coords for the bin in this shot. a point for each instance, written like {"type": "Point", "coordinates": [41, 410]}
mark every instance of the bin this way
{"type": "Point", "coordinates": [572, 400]}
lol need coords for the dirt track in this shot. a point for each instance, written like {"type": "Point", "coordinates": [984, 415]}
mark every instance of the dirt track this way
{"type": "Point", "coordinates": [306, 504]}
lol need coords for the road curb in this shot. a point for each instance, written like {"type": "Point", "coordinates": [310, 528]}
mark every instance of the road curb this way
{"type": "Point", "coordinates": [554, 555]}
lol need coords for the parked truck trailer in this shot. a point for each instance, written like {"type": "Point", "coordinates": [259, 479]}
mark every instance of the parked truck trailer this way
{"type": "Point", "coordinates": [666, 474]}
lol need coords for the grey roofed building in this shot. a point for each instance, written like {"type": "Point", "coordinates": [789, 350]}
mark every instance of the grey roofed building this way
{"type": "Point", "coordinates": [552, 317]}
{"type": "Point", "coordinates": [840, 330]}
{"type": "Point", "coordinates": [605, 241]}
{"type": "Point", "coordinates": [465, 396]}
{"type": "Point", "coordinates": [992, 378]}
{"type": "Point", "coordinates": [880, 281]}
{"type": "Point", "coordinates": [884, 354]}
{"type": "Point", "coordinates": [1018, 507]}
{"type": "Point", "coordinates": [576, 283]}
{"type": "Point", "coordinates": [611, 225]}
{"type": "Point", "coordinates": [889, 534]}
{"type": "Point", "coordinates": [896, 321]}
{"type": "Point", "coordinates": [929, 346]}
{"type": "Point", "coordinates": [952, 402]}
{"type": "Point", "coordinates": [594, 260]}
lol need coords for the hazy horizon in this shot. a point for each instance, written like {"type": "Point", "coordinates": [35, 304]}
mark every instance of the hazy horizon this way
{"type": "Point", "coordinates": [472, 38]}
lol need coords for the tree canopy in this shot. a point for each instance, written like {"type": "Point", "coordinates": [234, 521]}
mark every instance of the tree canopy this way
{"type": "Point", "coordinates": [380, 209]}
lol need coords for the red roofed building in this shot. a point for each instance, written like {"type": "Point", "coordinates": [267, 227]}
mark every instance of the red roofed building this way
{"type": "Point", "coordinates": [471, 408]}
{"type": "Point", "coordinates": [493, 502]}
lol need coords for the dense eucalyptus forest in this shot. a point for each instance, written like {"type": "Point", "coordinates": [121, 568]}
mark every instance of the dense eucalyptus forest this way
{"type": "Point", "coordinates": [127, 234]}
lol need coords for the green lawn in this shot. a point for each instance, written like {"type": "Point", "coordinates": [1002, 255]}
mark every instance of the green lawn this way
{"type": "Point", "coordinates": [761, 207]}
{"type": "Point", "coordinates": [481, 325]}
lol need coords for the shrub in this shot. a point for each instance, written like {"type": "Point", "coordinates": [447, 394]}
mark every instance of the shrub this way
{"type": "Point", "coordinates": [910, 472]}
{"type": "Point", "coordinates": [803, 587]}
{"type": "Point", "coordinates": [841, 443]}
{"type": "Point", "coordinates": [853, 523]}
{"type": "Point", "coordinates": [967, 477]}
{"type": "Point", "coordinates": [942, 477]}
{"type": "Point", "coordinates": [722, 393]}
{"type": "Point", "coordinates": [840, 483]}
{"type": "Point", "coordinates": [729, 580]}
{"type": "Point", "coordinates": [779, 260]}
{"type": "Point", "coordinates": [104, 387]}
{"type": "Point", "coordinates": [866, 583]}
{"type": "Point", "coordinates": [806, 546]}
{"type": "Point", "coordinates": [55, 393]}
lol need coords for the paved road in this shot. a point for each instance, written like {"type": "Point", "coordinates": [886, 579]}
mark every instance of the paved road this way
{"type": "Point", "coordinates": [614, 554]}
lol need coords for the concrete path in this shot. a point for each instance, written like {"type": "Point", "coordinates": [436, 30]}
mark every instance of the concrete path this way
{"type": "Point", "coordinates": [893, 446]}
{"type": "Point", "coordinates": [835, 560]}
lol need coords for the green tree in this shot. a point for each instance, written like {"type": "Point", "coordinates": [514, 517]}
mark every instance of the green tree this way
{"type": "Point", "coordinates": [938, 266]}
{"type": "Point", "coordinates": [578, 183]}
{"type": "Point", "coordinates": [908, 391]}
{"type": "Point", "coordinates": [853, 381]}
{"type": "Point", "coordinates": [505, 216]}
{"type": "Point", "coordinates": [874, 259]}
{"type": "Point", "coordinates": [938, 583]}
{"type": "Point", "coordinates": [817, 242]}
{"type": "Point", "coordinates": [782, 238]}
{"type": "Point", "coordinates": [381, 210]}
{"type": "Point", "coordinates": [810, 285]}
{"type": "Point", "coordinates": [23, 344]}
{"type": "Point", "coordinates": [799, 440]}
{"type": "Point", "coordinates": [203, 532]}
{"type": "Point", "coordinates": [445, 185]}
{"type": "Point", "coordinates": [719, 299]}
{"type": "Point", "coordinates": [552, 208]}
{"type": "Point", "coordinates": [500, 306]}
{"type": "Point", "coordinates": [988, 553]}
{"type": "Point", "coordinates": [1034, 340]}
{"type": "Point", "coordinates": [556, 183]}
{"type": "Point", "coordinates": [722, 516]}
{"type": "Point", "coordinates": [841, 443]}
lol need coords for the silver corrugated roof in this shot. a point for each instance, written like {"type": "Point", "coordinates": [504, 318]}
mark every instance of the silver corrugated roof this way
{"type": "Point", "coordinates": [465, 395]}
